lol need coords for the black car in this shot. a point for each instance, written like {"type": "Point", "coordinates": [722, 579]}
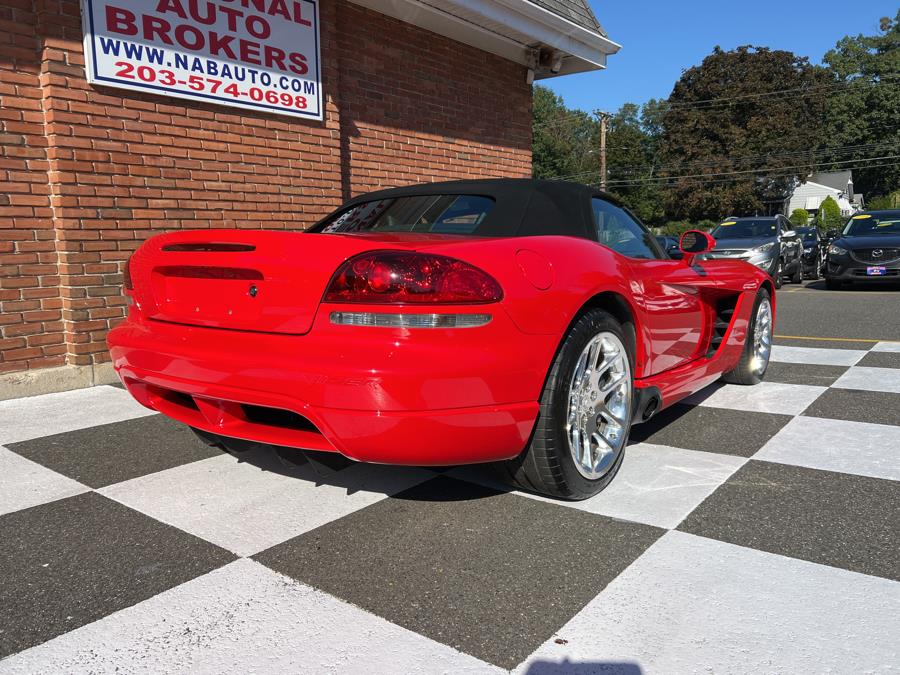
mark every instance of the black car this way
{"type": "Point", "coordinates": [670, 246]}
{"type": "Point", "coordinates": [769, 242]}
{"type": "Point", "coordinates": [868, 250]}
{"type": "Point", "coordinates": [813, 257]}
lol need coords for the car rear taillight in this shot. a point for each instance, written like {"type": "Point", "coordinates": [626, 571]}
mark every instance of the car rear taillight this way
{"type": "Point", "coordinates": [402, 277]}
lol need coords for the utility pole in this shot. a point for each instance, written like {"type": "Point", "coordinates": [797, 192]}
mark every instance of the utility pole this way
{"type": "Point", "coordinates": [604, 117]}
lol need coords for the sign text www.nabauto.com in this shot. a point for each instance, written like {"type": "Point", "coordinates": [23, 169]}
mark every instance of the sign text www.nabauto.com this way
{"type": "Point", "coordinates": [258, 54]}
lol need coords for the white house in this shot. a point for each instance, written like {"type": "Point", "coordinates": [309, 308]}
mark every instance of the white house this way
{"type": "Point", "coordinates": [810, 194]}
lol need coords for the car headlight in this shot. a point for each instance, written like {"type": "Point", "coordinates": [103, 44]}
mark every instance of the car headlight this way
{"type": "Point", "coordinates": [808, 250]}
{"type": "Point", "coordinates": [765, 248]}
{"type": "Point", "coordinates": [836, 250]}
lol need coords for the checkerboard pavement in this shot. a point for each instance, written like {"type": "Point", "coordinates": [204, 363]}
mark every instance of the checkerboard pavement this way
{"type": "Point", "coordinates": [750, 529]}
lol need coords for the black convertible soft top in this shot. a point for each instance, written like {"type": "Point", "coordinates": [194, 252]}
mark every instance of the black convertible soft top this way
{"type": "Point", "coordinates": [523, 206]}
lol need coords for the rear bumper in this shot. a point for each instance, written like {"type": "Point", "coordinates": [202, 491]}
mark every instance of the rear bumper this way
{"type": "Point", "coordinates": [416, 397]}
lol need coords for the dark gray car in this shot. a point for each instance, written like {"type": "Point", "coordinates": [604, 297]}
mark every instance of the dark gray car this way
{"type": "Point", "coordinates": [770, 243]}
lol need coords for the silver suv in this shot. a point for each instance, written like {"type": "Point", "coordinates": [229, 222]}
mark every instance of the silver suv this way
{"type": "Point", "coordinates": [769, 242]}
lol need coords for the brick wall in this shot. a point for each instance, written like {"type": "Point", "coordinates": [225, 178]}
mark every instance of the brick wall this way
{"type": "Point", "coordinates": [88, 172]}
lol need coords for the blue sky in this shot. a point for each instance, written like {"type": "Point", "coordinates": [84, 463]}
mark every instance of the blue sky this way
{"type": "Point", "coordinates": [661, 38]}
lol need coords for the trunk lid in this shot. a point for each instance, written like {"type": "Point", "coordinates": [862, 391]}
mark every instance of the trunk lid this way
{"type": "Point", "coordinates": [250, 280]}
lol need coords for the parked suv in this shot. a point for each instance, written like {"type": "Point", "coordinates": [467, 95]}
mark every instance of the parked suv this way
{"type": "Point", "coordinates": [868, 250]}
{"type": "Point", "coordinates": [770, 243]}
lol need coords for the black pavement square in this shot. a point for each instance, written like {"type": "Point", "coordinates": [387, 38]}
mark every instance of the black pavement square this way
{"type": "Point", "coordinates": [830, 518]}
{"type": "Point", "coordinates": [880, 360]}
{"type": "Point", "coordinates": [112, 453]}
{"type": "Point", "coordinates": [491, 574]}
{"type": "Point", "coordinates": [729, 432]}
{"type": "Point", "coordinates": [855, 405]}
{"type": "Point", "coordinates": [76, 560]}
{"type": "Point", "coordinates": [804, 373]}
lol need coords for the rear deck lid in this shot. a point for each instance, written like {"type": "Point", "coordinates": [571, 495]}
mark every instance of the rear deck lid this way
{"type": "Point", "coordinates": [248, 280]}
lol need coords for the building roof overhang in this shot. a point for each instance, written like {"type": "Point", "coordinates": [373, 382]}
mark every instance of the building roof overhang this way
{"type": "Point", "coordinates": [521, 31]}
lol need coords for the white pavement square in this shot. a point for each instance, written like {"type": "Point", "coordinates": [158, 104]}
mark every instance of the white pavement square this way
{"type": "Point", "coordinates": [656, 484]}
{"type": "Point", "coordinates": [837, 445]}
{"type": "Point", "coordinates": [24, 484]}
{"type": "Point", "coordinates": [244, 508]}
{"type": "Point", "coordinates": [870, 379]}
{"type": "Point", "coordinates": [243, 618]}
{"type": "Point", "coordinates": [691, 604]}
{"type": "Point", "coordinates": [24, 418]}
{"type": "Point", "coordinates": [887, 347]}
{"type": "Point", "coordinates": [659, 485]}
{"type": "Point", "coordinates": [768, 397]}
{"type": "Point", "coordinates": [817, 356]}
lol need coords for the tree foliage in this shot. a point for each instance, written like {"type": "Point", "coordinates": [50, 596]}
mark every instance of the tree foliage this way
{"type": "Point", "coordinates": [800, 217]}
{"type": "Point", "coordinates": [565, 141]}
{"type": "Point", "coordinates": [866, 109]}
{"type": "Point", "coordinates": [829, 216]}
{"type": "Point", "coordinates": [891, 201]}
{"type": "Point", "coordinates": [719, 137]}
{"type": "Point", "coordinates": [630, 153]}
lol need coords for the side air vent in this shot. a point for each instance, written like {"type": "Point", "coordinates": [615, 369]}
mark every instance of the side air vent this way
{"type": "Point", "coordinates": [210, 247]}
{"type": "Point", "coordinates": [724, 315]}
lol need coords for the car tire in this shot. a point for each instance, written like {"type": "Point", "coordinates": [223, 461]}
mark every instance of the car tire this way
{"type": "Point", "coordinates": [749, 370]}
{"type": "Point", "coordinates": [797, 277]}
{"type": "Point", "coordinates": [778, 274]}
{"type": "Point", "coordinates": [548, 465]}
{"type": "Point", "coordinates": [833, 284]}
{"type": "Point", "coordinates": [814, 275]}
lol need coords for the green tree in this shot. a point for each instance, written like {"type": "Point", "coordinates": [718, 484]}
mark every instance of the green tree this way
{"type": "Point", "coordinates": [829, 216]}
{"type": "Point", "coordinates": [863, 110]}
{"type": "Point", "coordinates": [630, 160]}
{"type": "Point", "coordinates": [565, 140]}
{"type": "Point", "coordinates": [720, 120]}
{"type": "Point", "coordinates": [800, 217]}
{"type": "Point", "coordinates": [891, 201]}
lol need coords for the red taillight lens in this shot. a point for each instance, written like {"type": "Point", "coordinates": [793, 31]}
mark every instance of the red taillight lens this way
{"type": "Point", "coordinates": [126, 276]}
{"type": "Point", "coordinates": [400, 277]}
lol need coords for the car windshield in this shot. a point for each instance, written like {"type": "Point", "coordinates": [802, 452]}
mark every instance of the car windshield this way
{"type": "Point", "coordinates": [809, 234]}
{"type": "Point", "coordinates": [436, 214]}
{"type": "Point", "coordinates": [866, 224]}
{"type": "Point", "coordinates": [746, 228]}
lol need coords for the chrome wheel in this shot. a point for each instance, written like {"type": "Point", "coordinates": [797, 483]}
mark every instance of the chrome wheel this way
{"type": "Point", "coordinates": [762, 337]}
{"type": "Point", "coordinates": [599, 405]}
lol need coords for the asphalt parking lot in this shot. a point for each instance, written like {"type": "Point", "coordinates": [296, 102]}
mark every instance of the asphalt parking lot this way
{"type": "Point", "coordinates": [751, 529]}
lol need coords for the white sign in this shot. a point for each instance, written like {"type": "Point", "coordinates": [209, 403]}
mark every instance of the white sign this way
{"type": "Point", "coordinates": [258, 54]}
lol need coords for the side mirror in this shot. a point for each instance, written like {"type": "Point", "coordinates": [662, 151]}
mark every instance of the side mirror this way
{"type": "Point", "coordinates": [831, 234]}
{"type": "Point", "coordinates": [788, 234]}
{"type": "Point", "coordinates": [693, 242]}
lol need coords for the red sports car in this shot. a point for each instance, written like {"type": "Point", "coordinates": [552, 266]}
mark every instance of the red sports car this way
{"type": "Point", "coordinates": [523, 322]}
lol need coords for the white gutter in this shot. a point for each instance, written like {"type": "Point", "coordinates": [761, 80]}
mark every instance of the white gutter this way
{"type": "Point", "coordinates": [519, 25]}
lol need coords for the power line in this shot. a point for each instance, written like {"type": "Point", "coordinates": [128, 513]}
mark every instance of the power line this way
{"type": "Point", "coordinates": [663, 180]}
{"type": "Point", "coordinates": [775, 175]}
{"type": "Point", "coordinates": [740, 159]}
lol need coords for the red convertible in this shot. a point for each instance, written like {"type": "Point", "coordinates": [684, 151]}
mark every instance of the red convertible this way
{"type": "Point", "coordinates": [523, 322]}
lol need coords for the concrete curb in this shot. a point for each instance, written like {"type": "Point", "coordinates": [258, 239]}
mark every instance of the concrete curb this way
{"type": "Point", "coordinates": [51, 380]}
